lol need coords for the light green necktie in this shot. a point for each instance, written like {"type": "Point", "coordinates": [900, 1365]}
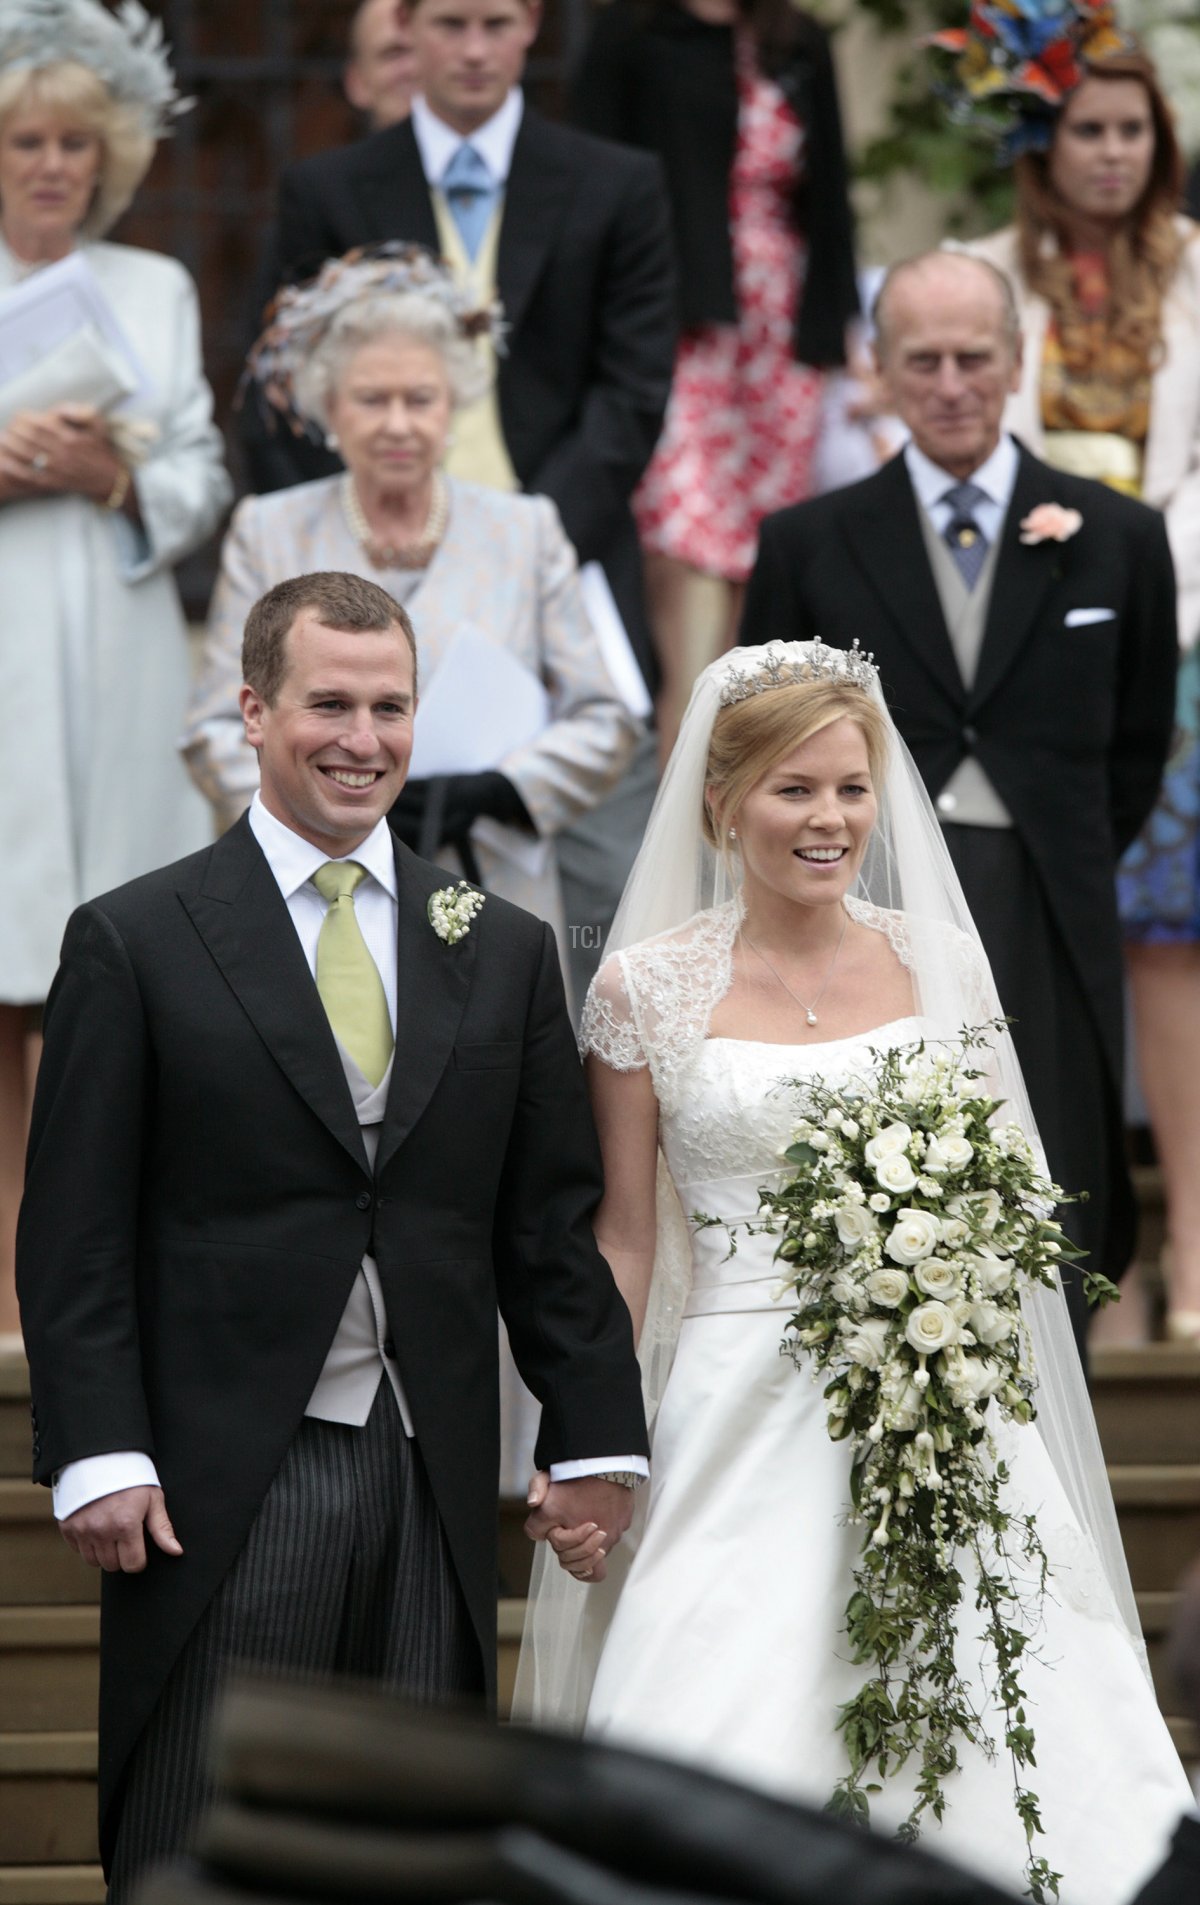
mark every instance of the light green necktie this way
{"type": "Point", "coordinates": [347, 976]}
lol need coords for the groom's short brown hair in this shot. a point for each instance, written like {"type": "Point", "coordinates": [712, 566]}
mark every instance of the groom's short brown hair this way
{"type": "Point", "coordinates": [338, 600]}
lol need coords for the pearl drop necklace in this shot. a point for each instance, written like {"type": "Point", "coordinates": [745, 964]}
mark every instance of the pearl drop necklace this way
{"type": "Point", "coordinates": [810, 1011]}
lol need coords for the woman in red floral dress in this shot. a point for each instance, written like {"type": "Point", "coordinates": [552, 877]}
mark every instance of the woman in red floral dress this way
{"type": "Point", "coordinates": [739, 102]}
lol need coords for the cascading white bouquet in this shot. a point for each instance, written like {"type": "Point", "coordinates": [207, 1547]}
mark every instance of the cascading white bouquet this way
{"type": "Point", "coordinates": [914, 1223]}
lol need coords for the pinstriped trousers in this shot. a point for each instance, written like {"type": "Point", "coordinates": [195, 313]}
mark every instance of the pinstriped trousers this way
{"type": "Point", "coordinates": [345, 1570]}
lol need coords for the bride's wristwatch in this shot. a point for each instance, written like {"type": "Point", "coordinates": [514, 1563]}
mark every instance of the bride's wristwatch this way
{"type": "Point", "coordinates": [624, 1477]}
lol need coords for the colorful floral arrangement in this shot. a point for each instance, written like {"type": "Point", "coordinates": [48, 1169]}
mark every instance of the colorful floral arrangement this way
{"type": "Point", "coordinates": [911, 1230]}
{"type": "Point", "coordinates": [1016, 61]}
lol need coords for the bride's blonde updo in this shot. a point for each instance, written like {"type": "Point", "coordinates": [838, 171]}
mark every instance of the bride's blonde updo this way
{"type": "Point", "coordinates": [750, 736]}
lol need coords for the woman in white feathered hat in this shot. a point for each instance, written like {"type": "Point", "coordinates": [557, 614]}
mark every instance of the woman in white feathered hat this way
{"type": "Point", "coordinates": [110, 471]}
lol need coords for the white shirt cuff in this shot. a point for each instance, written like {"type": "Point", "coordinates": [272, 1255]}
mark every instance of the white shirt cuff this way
{"type": "Point", "coordinates": [598, 1465]}
{"type": "Point", "coordinates": [85, 1481]}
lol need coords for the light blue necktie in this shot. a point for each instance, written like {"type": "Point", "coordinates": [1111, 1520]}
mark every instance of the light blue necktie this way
{"type": "Point", "coordinates": [470, 193]}
{"type": "Point", "coordinates": [968, 544]}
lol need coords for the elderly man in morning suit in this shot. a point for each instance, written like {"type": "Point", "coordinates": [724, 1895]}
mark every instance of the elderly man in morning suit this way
{"type": "Point", "coordinates": [1023, 622]}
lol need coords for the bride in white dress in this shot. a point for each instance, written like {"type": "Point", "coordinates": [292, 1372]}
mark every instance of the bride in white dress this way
{"type": "Point", "coordinates": [792, 907]}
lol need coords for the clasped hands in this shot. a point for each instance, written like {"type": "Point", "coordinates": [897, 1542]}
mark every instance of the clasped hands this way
{"type": "Point", "coordinates": [56, 452]}
{"type": "Point", "coordinates": [582, 1520]}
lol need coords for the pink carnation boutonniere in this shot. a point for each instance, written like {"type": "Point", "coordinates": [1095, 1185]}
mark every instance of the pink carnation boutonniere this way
{"type": "Point", "coordinates": [1050, 522]}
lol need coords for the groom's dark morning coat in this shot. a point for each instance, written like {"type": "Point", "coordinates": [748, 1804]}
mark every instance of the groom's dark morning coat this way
{"type": "Point", "coordinates": [199, 1203]}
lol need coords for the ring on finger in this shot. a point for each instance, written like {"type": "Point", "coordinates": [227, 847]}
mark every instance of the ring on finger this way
{"type": "Point", "coordinates": [39, 461]}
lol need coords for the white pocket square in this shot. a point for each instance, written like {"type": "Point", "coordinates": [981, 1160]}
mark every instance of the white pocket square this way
{"type": "Point", "coordinates": [1080, 618]}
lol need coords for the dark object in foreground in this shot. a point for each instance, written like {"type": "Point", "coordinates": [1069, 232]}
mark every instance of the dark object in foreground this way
{"type": "Point", "coordinates": [344, 1795]}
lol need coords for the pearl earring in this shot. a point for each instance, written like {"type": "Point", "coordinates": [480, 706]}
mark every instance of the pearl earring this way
{"type": "Point", "coordinates": [331, 442]}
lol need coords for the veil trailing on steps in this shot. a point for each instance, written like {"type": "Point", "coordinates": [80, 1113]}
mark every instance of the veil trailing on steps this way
{"type": "Point", "coordinates": [683, 895]}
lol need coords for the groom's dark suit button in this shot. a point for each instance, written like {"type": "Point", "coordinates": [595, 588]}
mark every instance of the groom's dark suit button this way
{"type": "Point", "coordinates": [970, 735]}
{"type": "Point", "coordinates": [389, 1347]}
{"type": "Point", "coordinates": [363, 1200]}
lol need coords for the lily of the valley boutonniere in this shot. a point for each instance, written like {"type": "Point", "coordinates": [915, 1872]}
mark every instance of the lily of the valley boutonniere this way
{"type": "Point", "coordinates": [1050, 522]}
{"type": "Point", "coordinates": [451, 910]}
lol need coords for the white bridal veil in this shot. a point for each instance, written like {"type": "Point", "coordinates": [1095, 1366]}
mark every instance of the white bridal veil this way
{"type": "Point", "coordinates": [906, 871]}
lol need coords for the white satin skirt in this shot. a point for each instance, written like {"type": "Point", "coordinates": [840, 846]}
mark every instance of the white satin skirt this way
{"type": "Point", "coordinates": [726, 1646]}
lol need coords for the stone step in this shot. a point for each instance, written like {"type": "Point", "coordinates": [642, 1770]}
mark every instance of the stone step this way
{"type": "Point", "coordinates": [1147, 1403]}
{"type": "Point", "coordinates": [48, 1799]}
{"type": "Point", "coordinates": [51, 1885]}
{"type": "Point", "coordinates": [1158, 1509]}
{"type": "Point", "coordinates": [36, 1566]}
{"type": "Point", "coordinates": [15, 1435]}
{"type": "Point", "coordinates": [49, 1668]}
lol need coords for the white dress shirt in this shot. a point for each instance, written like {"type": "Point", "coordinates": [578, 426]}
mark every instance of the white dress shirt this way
{"type": "Point", "coordinates": [293, 861]}
{"type": "Point", "coordinates": [494, 140]}
{"type": "Point", "coordinates": [996, 478]}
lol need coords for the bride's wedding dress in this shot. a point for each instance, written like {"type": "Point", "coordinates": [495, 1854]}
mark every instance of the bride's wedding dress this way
{"type": "Point", "coordinates": [726, 1644]}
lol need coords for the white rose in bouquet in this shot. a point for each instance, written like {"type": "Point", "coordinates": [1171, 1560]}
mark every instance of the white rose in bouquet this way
{"type": "Point", "coordinates": [989, 1324]}
{"type": "Point", "coordinates": [866, 1342]}
{"type": "Point", "coordinates": [903, 1411]}
{"type": "Point", "coordinates": [948, 1153]}
{"type": "Point", "coordinates": [891, 1142]}
{"type": "Point", "coordinates": [988, 1209]}
{"type": "Point", "coordinates": [889, 1287]}
{"type": "Point", "coordinates": [847, 1293]}
{"type": "Point", "coordinates": [896, 1175]}
{"type": "Point", "coordinates": [972, 1378]}
{"type": "Point", "coordinates": [954, 1232]}
{"type": "Point", "coordinates": [931, 1327]}
{"type": "Point", "coordinates": [935, 1277]}
{"type": "Point", "coordinates": [854, 1224]}
{"type": "Point", "coordinates": [915, 1234]}
{"type": "Point", "coordinates": [994, 1273]}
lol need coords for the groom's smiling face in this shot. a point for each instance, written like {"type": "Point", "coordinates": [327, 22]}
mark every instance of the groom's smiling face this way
{"type": "Point", "coordinates": [334, 745]}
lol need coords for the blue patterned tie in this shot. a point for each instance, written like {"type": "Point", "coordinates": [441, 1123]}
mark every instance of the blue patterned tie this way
{"type": "Point", "coordinates": [967, 542]}
{"type": "Point", "coordinates": [470, 193]}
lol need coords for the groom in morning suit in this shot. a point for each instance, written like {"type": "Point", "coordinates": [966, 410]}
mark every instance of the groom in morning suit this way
{"type": "Point", "coordinates": [1032, 677]}
{"type": "Point", "coordinates": [291, 1147]}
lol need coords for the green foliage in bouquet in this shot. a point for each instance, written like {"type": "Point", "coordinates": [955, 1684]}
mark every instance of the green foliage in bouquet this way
{"type": "Point", "coordinates": [911, 1231]}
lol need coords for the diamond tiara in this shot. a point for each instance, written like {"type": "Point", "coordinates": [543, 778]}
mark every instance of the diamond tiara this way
{"type": "Point", "coordinates": [778, 669]}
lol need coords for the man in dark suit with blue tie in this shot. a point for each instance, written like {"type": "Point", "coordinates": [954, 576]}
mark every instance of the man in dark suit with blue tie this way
{"type": "Point", "coordinates": [306, 1117]}
{"type": "Point", "coordinates": [1023, 623]}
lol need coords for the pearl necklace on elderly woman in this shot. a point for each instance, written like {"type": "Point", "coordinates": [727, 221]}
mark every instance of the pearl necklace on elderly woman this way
{"type": "Point", "coordinates": [810, 1011]}
{"type": "Point", "coordinates": [397, 555]}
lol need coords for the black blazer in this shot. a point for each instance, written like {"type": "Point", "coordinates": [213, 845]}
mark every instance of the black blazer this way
{"type": "Point", "coordinates": [199, 1201]}
{"type": "Point", "coordinates": [586, 274]}
{"type": "Point", "coordinates": [1070, 723]}
{"type": "Point", "coordinates": [653, 75]}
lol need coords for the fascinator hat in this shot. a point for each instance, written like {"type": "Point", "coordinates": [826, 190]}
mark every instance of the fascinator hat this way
{"type": "Point", "coordinates": [301, 319]}
{"type": "Point", "coordinates": [1016, 61]}
{"type": "Point", "coordinates": [126, 51]}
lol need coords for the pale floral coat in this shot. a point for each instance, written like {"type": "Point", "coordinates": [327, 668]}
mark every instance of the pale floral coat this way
{"type": "Point", "coordinates": [94, 660]}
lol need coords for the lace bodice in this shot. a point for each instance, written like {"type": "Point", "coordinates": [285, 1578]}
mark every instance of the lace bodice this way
{"type": "Point", "coordinates": [652, 1004]}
